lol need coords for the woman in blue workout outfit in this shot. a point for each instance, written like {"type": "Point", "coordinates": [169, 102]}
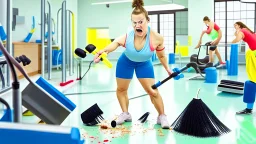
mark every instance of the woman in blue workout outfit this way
{"type": "Point", "coordinates": [139, 44]}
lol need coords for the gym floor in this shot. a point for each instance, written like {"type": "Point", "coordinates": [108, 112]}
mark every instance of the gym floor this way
{"type": "Point", "coordinates": [99, 85]}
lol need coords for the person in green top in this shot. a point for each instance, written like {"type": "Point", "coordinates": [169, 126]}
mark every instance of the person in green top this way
{"type": "Point", "coordinates": [215, 33]}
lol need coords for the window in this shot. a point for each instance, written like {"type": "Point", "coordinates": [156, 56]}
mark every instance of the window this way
{"type": "Point", "coordinates": [153, 23]}
{"type": "Point", "coordinates": [167, 30]}
{"type": "Point", "coordinates": [235, 11]}
{"type": "Point", "coordinates": [164, 24]}
{"type": "Point", "coordinates": [220, 19]}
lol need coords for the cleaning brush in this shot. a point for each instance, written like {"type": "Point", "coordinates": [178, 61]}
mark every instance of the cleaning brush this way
{"type": "Point", "coordinates": [92, 115]}
{"type": "Point", "coordinates": [144, 117]}
{"type": "Point", "coordinates": [199, 121]}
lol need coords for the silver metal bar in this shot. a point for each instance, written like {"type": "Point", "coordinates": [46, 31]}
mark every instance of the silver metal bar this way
{"type": "Point", "coordinates": [72, 55]}
{"type": "Point", "coordinates": [70, 44]}
{"type": "Point", "coordinates": [63, 40]}
{"type": "Point", "coordinates": [9, 36]}
{"type": "Point", "coordinates": [80, 70]}
{"type": "Point", "coordinates": [5, 89]}
{"type": "Point", "coordinates": [42, 36]}
{"type": "Point", "coordinates": [78, 67]}
{"type": "Point", "coordinates": [68, 41]}
{"type": "Point", "coordinates": [49, 43]}
{"type": "Point", "coordinates": [53, 30]}
{"type": "Point", "coordinates": [221, 44]}
{"type": "Point", "coordinates": [17, 106]}
{"type": "Point", "coordinates": [57, 30]}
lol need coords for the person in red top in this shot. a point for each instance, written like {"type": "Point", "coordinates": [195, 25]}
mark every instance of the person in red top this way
{"type": "Point", "coordinates": [215, 39]}
{"type": "Point", "coordinates": [248, 36]}
{"type": "Point", "coordinates": [245, 34]}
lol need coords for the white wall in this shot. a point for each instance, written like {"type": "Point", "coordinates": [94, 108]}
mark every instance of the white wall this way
{"type": "Point", "coordinates": [31, 8]}
{"type": "Point", "coordinates": [197, 9]}
{"type": "Point", "coordinates": [28, 9]}
{"type": "Point", "coordinates": [116, 17]}
{"type": "Point", "coordinates": [182, 2]}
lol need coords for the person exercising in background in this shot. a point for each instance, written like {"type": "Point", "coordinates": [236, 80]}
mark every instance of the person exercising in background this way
{"type": "Point", "coordinates": [140, 44]}
{"type": "Point", "coordinates": [214, 31]}
{"type": "Point", "coordinates": [248, 36]}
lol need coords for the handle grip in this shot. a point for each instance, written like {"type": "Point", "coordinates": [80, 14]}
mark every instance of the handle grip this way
{"type": "Point", "coordinates": [104, 59]}
{"type": "Point", "coordinates": [159, 83]}
{"type": "Point", "coordinates": [173, 75]}
{"type": "Point", "coordinates": [156, 85]}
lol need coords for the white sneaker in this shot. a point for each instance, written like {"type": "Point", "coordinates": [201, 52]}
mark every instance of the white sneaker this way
{"type": "Point", "coordinates": [162, 120]}
{"type": "Point", "coordinates": [123, 117]}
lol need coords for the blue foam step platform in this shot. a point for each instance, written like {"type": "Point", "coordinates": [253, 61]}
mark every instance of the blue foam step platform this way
{"type": "Point", "coordinates": [14, 133]}
{"type": "Point", "coordinates": [46, 102]}
{"type": "Point", "coordinates": [210, 75]}
{"type": "Point", "coordinates": [230, 86]}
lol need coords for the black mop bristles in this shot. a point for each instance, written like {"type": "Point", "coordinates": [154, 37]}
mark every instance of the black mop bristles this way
{"type": "Point", "coordinates": [199, 121]}
{"type": "Point", "coordinates": [92, 115]}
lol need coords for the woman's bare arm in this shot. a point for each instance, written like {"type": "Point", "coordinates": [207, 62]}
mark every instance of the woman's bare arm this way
{"type": "Point", "coordinates": [119, 41]}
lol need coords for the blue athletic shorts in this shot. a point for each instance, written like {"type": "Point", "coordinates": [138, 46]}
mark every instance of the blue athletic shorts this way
{"type": "Point", "coordinates": [125, 68]}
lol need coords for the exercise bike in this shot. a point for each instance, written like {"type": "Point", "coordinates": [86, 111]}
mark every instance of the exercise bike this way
{"type": "Point", "coordinates": [205, 60]}
{"type": "Point", "coordinates": [202, 63]}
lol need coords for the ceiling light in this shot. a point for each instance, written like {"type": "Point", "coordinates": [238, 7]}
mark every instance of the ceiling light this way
{"type": "Point", "coordinates": [112, 2]}
{"type": "Point", "coordinates": [164, 7]}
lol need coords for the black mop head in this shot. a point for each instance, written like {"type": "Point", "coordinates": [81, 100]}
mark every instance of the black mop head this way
{"type": "Point", "coordinates": [92, 115]}
{"type": "Point", "coordinates": [199, 121]}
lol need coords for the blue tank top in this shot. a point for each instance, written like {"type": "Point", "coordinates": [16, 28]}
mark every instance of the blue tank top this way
{"type": "Point", "coordinates": [134, 55]}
